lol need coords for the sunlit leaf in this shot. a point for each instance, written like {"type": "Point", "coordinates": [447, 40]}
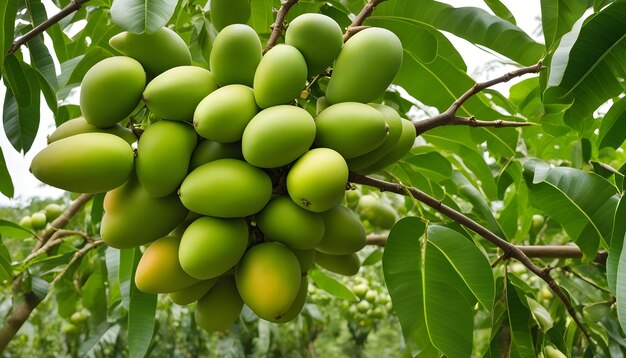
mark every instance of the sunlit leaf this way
{"type": "Point", "coordinates": [12, 230]}
{"type": "Point", "coordinates": [558, 17]}
{"type": "Point", "coordinates": [613, 128]}
{"type": "Point", "coordinates": [331, 285]}
{"type": "Point", "coordinates": [140, 16]}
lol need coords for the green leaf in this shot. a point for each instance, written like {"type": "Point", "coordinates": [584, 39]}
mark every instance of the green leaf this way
{"type": "Point", "coordinates": [12, 230]}
{"type": "Point", "coordinates": [418, 39]}
{"type": "Point", "coordinates": [541, 315]}
{"type": "Point", "coordinates": [94, 296]}
{"type": "Point", "coordinates": [613, 128]}
{"type": "Point", "coordinates": [432, 164]}
{"type": "Point", "coordinates": [519, 325]}
{"type": "Point", "coordinates": [373, 258]}
{"type": "Point", "coordinates": [617, 246]}
{"type": "Point", "coordinates": [97, 209]}
{"type": "Point", "coordinates": [8, 10]}
{"type": "Point", "coordinates": [332, 286]}
{"type": "Point", "coordinates": [587, 66]}
{"type": "Point", "coordinates": [261, 15]}
{"type": "Point", "coordinates": [500, 10]}
{"type": "Point", "coordinates": [138, 16]}
{"type": "Point", "coordinates": [6, 184]}
{"type": "Point", "coordinates": [620, 289]}
{"type": "Point", "coordinates": [558, 17]}
{"type": "Point", "coordinates": [6, 270]}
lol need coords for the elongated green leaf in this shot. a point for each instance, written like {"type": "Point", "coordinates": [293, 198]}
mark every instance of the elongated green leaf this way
{"type": "Point", "coordinates": [617, 246]}
{"type": "Point", "coordinates": [432, 164]}
{"type": "Point", "coordinates": [261, 15]}
{"type": "Point", "coordinates": [12, 230]}
{"type": "Point", "coordinates": [500, 10]}
{"type": "Point", "coordinates": [138, 16]}
{"type": "Point", "coordinates": [519, 325]}
{"type": "Point", "coordinates": [8, 9]}
{"type": "Point", "coordinates": [540, 314]}
{"type": "Point", "coordinates": [620, 289]}
{"type": "Point", "coordinates": [94, 296]}
{"type": "Point", "coordinates": [588, 64]}
{"type": "Point", "coordinates": [6, 271]}
{"type": "Point", "coordinates": [6, 184]}
{"type": "Point", "coordinates": [331, 285]}
{"type": "Point", "coordinates": [417, 38]}
{"type": "Point", "coordinates": [558, 17]}
{"type": "Point", "coordinates": [613, 128]}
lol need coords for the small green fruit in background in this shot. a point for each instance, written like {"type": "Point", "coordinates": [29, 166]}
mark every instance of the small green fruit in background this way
{"type": "Point", "coordinates": [228, 12]}
{"type": "Point", "coordinates": [38, 220]}
{"type": "Point", "coordinates": [53, 211]}
{"type": "Point", "coordinates": [26, 222]}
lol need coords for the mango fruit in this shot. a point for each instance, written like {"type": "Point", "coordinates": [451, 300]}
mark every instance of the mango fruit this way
{"type": "Point", "coordinates": [133, 217]}
{"type": "Point", "coordinates": [220, 307]}
{"type": "Point", "coordinates": [365, 66]}
{"type": "Point", "coordinates": [226, 188]}
{"type": "Point", "coordinates": [347, 265]}
{"type": "Point", "coordinates": [175, 93]}
{"type": "Point", "coordinates": [317, 180]}
{"type": "Point", "coordinates": [350, 128]}
{"type": "Point", "coordinates": [157, 52]}
{"type": "Point", "coordinates": [235, 55]}
{"type": "Point", "coordinates": [227, 12]}
{"type": "Point", "coordinates": [211, 246]}
{"type": "Point", "coordinates": [298, 303]}
{"type": "Point", "coordinates": [376, 212]}
{"type": "Point", "coordinates": [192, 293]}
{"type": "Point", "coordinates": [306, 258]}
{"type": "Point", "coordinates": [163, 154]}
{"type": "Point", "coordinates": [318, 37]}
{"type": "Point", "coordinates": [284, 221]}
{"type": "Point", "coordinates": [183, 225]}
{"type": "Point", "coordinates": [208, 151]}
{"type": "Point", "coordinates": [277, 136]}
{"type": "Point", "coordinates": [85, 163]}
{"type": "Point", "coordinates": [280, 77]}
{"type": "Point", "coordinates": [80, 125]}
{"type": "Point", "coordinates": [223, 115]}
{"type": "Point", "coordinates": [159, 271]}
{"type": "Point", "coordinates": [111, 90]}
{"type": "Point", "coordinates": [344, 233]}
{"type": "Point", "coordinates": [402, 146]}
{"type": "Point", "coordinates": [268, 279]}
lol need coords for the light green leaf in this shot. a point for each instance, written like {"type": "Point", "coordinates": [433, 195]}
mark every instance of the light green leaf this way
{"type": "Point", "coordinates": [126, 276]}
{"type": "Point", "coordinates": [330, 285]}
{"type": "Point", "coordinates": [500, 10]}
{"type": "Point", "coordinates": [432, 164]}
{"type": "Point", "coordinates": [141, 312]}
{"type": "Point", "coordinates": [418, 39]}
{"type": "Point", "coordinates": [620, 288]}
{"type": "Point", "coordinates": [541, 314]}
{"type": "Point", "coordinates": [617, 245]}
{"type": "Point", "coordinates": [12, 230]}
{"type": "Point", "coordinates": [6, 184]}
{"type": "Point", "coordinates": [558, 17]}
{"type": "Point", "coordinates": [94, 296]}
{"type": "Point", "coordinates": [138, 16]}
{"type": "Point", "coordinates": [261, 17]}
{"type": "Point", "coordinates": [373, 258]}
{"type": "Point", "coordinates": [519, 325]}
{"type": "Point", "coordinates": [613, 128]}
{"type": "Point", "coordinates": [8, 10]}
{"type": "Point", "coordinates": [6, 271]}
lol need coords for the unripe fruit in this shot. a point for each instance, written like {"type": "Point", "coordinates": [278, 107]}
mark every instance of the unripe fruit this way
{"type": "Point", "coordinates": [111, 90]}
{"type": "Point", "coordinates": [163, 154]}
{"type": "Point", "coordinates": [317, 180]}
{"type": "Point", "coordinates": [133, 217]}
{"type": "Point", "coordinates": [347, 265]}
{"type": "Point", "coordinates": [220, 307]}
{"type": "Point", "coordinates": [223, 115]}
{"type": "Point", "coordinates": [277, 136]}
{"type": "Point", "coordinates": [371, 296]}
{"type": "Point", "coordinates": [552, 352]}
{"type": "Point", "coordinates": [350, 128]}
{"type": "Point", "coordinates": [235, 55]}
{"type": "Point", "coordinates": [306, 259]}
{"type": "Point", "coordinates": [78, 317]}
{"type": "Point", "coordinates": [159, 271]}
{"type": "Point", "coordinates": [378, 213]}
{"type": "Point", "coordinates": [38, 220]}
{"type": "Point", "coordinates": [69, 328]}
{"type": "Point", "coordinates": [280, 77]}
{"type": "Point", "coordinates": [344, 233]}
{"type": "Point", "coordinates": [80, 125]}
{"type": "Point", "coordinates": [318, 37]}
{"type": "Point", "coordinates": [208, 151]}
{"type": "Point", "coordinates": [363, 306]}
{"type": "Point", "coordinates": [85, 163]}
{"type": "Point", "coordinates": [402, 146]}
{"type": "Point", "coordinates": [227, 12]}
{"type": "Point", "coordinates": [360, 290]}
{"type": "Point", "coordinates": [192, 293]}
{"type": "Point", "coordinates": [536, 224]}
{"type": "Point", "coordinates": [157, 52]}
{"type": "Point", "coordinates": [53, 211]}
{"type": "Point", "coordinates": [175, 93]}
{"type": "Point", "coordinates": [268, 280]}
{"type": "Point", "coordinates": [284, 221]}
{"type": "Point", "coordinates": [26, 222]}
{"type": "Point", "coordinates": [362, 74]}
{"type": "Point", "coordinates": [226, 188]}
{"type": "Point", "coordinates": [298, 303]}
{"type": "Point", "coordinates": [211, 246]}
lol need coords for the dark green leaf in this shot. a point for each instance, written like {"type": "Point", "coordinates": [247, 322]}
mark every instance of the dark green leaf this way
{"type": "Point", "coordinates": [12, 230]}
{"type": "Point", "coordinates": [8, 9]}
{"type": "Point", "coordinates": [330, 285]}
{"type": "Point", "coordinates": [613, 128]}
{"type": "Point", "coordinates": [432, 164]}
{"type": "Point", "coordinates": [6, 184]}
{"type": "Point", "coordinates": [519, 325]}
{"type": "Point", "coordinates": [94, 295]}
{"type": "Point", "coordinates": [97, 209]}
{"type": "Point", "coordinates": [617, 246]}
{"type": "Point", "coordinates": [140, 16]}
{"type": "Point", "coordinates": [6, 271]}
{"type": "Point", "coordinates": [558, 17]}
{"type": "Point", "coordinates": [620, 288]}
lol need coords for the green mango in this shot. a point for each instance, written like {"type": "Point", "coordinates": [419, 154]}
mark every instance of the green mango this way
{"type": "Point", "coordinates": [402, 146]}
{"type": "Point", "coordinates": [80, 126]}
{"type": "Point", "coordinates": [227, 12]}
{"type": "Point", "coordinates": [157, 52]}
{"type": "Point", "coordinates": [378, 213]}
{"type": "Point", "coordinates": [235, 55]}
{"type": "Point", "coordinates": [350, 128]}
{"type": "Point", "coordinates": [347, 265]}
{"type": "Point", "coordinates": [268, 279]}
{"type": "Point", "coordinates": [284, 221]}
{"type": "Point", "coordinates": [175, 93]}
{"type": "Point", "coordinates": [111, 90]}
{"type": "Point", "coordinates": [163, 154]}
{"type": "Point", "coordinates": [208, 151]}
{"type": "Point", "coordinates": [180, 229]}
{"type": "Point", "coordinates": [159, 271]}
{"type": "Point", "coordinates": [394, 129]}
{"type": "Point", "coordinates": [220, 307]}
{"type": "Point", "coordinates": [320, 105]}
{"type": "Point", "coordinates": [132, 217]}
{"type": "Point", "coordinates": [192, 293]}
{"type": "Point", "coordinates": [298, 303]}
{"type": "Point", "coordinates": [226, 188]}
{"type": "Point", "coordinates": [318, 37]}
{"type": "Point", "coordinates": [277, 136]}
{"type": "Point", "coordinates": [365, 67]}
{"type": "Point", "coordinates": [224, 114]}
{"type": "Point", "coordinates": [280, 77]}
{"type": "Point", "coordinates": [344, 233]}
{"type": "Point", "coordinates": [85, 163]}
{"type": "Point", "coordinates": [306, 258]}
{"type": "Point", "coordinates": [317, 180]}
{"type": "Point", "coordinates": [211, 246]}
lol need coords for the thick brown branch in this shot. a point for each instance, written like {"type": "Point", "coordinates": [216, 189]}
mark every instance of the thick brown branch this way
{"type": "Point", "coordinates": [74, 5]}
{"type": "Point", "coordinates": [355, 26]}
{"type": "Point", "coordinates": [277, 28]}
{"type": "Point", "coordinates": [508, 248]}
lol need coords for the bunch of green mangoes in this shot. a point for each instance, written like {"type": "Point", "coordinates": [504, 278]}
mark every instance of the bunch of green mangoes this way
{"type": "Point", "coordinates": [38, 220]}
{"type": "Point", "coordinates": [235, 187]}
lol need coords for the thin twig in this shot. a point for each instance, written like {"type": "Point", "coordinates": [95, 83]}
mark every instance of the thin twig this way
{"type": "Point", "coordinates": [56, 239]}
{"type": "Point", "coordinates": [74, 5]}
{"type": "Point", "coordinates": [460, 218]}
{"type": "Point", "coordinates": [77, 255]}
{"type": "Point", "coordinates": [356, 25]}
{"type": "Point", "coordinates": [278, 26]}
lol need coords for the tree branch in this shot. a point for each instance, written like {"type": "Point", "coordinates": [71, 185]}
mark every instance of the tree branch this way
{"type": "Point", "coordinates": [74, 5]}
{"type": "Point", "coordinates": [77, 255]}
{"type": "Point", "coordinates": [508, 248]}
{"type": "Point", "coordinates": [449, 117]}
{"type": "Point", "coordinates": [277, 27]}
{"type": "Point", "coordinates": [356, 25]}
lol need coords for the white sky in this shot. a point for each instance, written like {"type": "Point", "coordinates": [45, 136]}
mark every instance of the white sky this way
{"type": "Point", "coordinates": [27, 186]}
